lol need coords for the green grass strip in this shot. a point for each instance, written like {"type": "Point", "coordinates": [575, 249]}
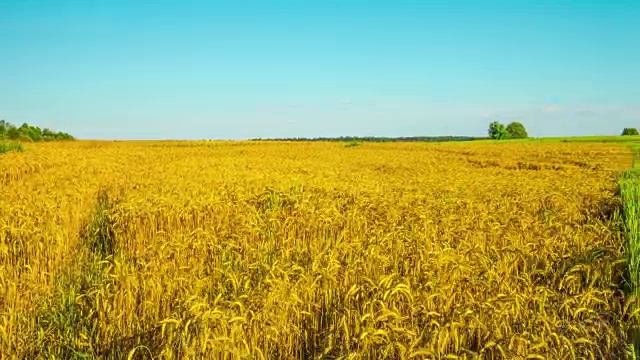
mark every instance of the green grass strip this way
{"type": "Point", "coordinates": [6, 147]}
{"type": "Point", "coordinates": [67, 325]}
{"type": "Point", "coordinates": [630, 194]}
{"type": "Point", "coordinates": [629, 184]}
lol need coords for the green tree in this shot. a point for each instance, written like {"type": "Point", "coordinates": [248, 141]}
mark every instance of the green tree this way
{"type": "Point", "coordinates": [13, 133]}
{"type": "Point", "coordinates": [63, 136]}
{"type": "Point", "coordinates": [497, 131]}
{"type": "Point", "coordinates": [28, 132]}
{"type": "Point", "coordinates": [47, 134]}
{"type": "Point", "coordinates": [34, 133]}
{"type": "Point", "coordinates": [630, 131]}
{"type": "Point", "coordinates": [517, 131]}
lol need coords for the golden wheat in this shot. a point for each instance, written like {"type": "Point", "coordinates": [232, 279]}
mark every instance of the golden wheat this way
{"type": "Point", "coordinates": [268, 250]}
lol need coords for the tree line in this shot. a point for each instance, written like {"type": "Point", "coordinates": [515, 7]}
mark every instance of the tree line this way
{"type": "Point", "coordinates": [28, 132]}
{"type": "Point", "coordinates": [516, 130]}
{"type": "Point", "coordinates": [376, 139]}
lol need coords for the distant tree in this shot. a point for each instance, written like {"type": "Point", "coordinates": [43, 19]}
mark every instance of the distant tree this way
{"type": "Point", "coordinates": [13, 133]}
{"type": "Point", "coordinates": [517, 131]}
{"type": "Point", "coordinates": [63, 136]}
{"type": "Point", "coordinates": [630, 131]}
{"type": "Point", "coordinates": [47, 134]}
{"type": "Point", "coordinates": [27, 132]}
{"type": "Point", "coordinates": [34, 133]}
{"type": "Point", "coordinates": [6, 125]}
{"type": "Point", "coordinates": [497, 131]}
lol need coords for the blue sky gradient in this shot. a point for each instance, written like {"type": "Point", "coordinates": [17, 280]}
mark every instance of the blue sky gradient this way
{"type": "Point", "coordinates": [244, 69]}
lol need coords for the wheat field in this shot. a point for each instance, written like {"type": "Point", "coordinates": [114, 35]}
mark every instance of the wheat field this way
{"type": "Point", "coordinates": [274, 250]}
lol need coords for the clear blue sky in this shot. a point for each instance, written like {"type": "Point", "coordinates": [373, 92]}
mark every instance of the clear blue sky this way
{"type": "Point", "coordinates": [242, 69]}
